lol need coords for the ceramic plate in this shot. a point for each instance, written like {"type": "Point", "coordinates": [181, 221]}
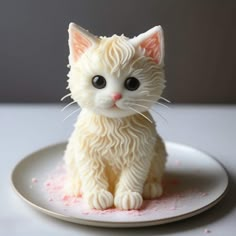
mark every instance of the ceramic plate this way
{"type": "Point", "coordinates": [193, 182]}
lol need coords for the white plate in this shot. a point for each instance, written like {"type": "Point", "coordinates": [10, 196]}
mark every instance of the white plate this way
{"type": "Point", "coordinates": [194, 182]}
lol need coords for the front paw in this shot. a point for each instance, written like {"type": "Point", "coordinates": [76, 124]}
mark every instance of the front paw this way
{"type": "Point", "coordinates": [99, 200]}
{"type": "Point", "coordinates": [128, 200]}
{"type": "Point", "coordinates": [152, 190]}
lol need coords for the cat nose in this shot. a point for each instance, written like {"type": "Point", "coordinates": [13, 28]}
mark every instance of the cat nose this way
{"type": "Point", "coordinates": [116, 96]}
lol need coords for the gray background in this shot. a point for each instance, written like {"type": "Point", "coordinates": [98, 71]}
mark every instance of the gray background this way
{"type": "Point", "coordinates": [200, 41]}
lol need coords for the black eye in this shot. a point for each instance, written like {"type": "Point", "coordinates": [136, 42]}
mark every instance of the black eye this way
{"type": "Point", "coordinates": [99, 82]}
{"type": "Point", "coordinates": [132, 83]}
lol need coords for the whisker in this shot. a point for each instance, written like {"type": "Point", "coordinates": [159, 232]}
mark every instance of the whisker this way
{"type": "Point", "coordinates": [72, 113]}
{"type": "Point", "coordinates": [67, 95]}
{"type": "Point", "coordinates": [145, 100]}
{"type": "Point", "coordinates": [153, 110]}
{"type": "Point", "coordinates": [68, 105]}
{"type": "Point", "coordinates": [163, 105]}
{"type": "Point", "coordinates": [135, 104]}
{"type": "Point", "coordinates": [166, 100]}
{"type": "Point", "coordinates": [156, 102]}
{"type": "Point", "coordinates": [140, 114]}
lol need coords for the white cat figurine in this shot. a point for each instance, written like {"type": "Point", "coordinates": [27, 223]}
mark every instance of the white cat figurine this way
{"type": "Point", "coordinates": [115, 156]}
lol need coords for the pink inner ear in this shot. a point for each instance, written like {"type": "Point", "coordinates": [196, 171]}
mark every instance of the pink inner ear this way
{"type": "Point", "coordinates": [152, 47]}
{"type": "Point", "coordinates": [79, 45]}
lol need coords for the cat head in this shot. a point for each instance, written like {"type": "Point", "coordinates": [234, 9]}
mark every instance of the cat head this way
{"type": "Point", "coordinates": [116, 76]}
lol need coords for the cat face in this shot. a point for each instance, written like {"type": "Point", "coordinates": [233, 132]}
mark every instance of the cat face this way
{"type": "Point", "coordinates": [116, 76]}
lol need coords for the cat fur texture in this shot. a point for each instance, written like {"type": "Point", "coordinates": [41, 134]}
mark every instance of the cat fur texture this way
{"type": "Point", "coordinates": [114, 156]}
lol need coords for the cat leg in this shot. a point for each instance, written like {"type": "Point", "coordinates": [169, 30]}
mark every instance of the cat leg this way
{"type": "Point", "coordinates": [128, 194]}
{"type": "Point", "coordinates": [73, 185]}
{"type": "Point", "coordinates": [153, 187]}
{"type": "Point", "coordinates": [73, 182]}
{"type": "Point", "coordinates": [95, 184]}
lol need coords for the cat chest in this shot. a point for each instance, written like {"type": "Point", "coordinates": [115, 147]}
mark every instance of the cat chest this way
{"type": "Point", "coordinates": [116, 142]}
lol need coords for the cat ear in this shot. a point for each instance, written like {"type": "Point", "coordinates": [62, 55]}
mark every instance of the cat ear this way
{"type": "Point", "coordinates": [152, 42]}
{"type": "Point", "coordinates": [79, 41]}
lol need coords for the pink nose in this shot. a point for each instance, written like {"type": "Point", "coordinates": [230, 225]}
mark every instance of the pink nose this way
{"type": "Point", "coordinates": [116, 96]}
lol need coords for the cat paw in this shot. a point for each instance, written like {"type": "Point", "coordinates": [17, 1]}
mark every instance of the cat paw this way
{"type": "Point", "coordinates": [152, 190]}
{"type": "Point", "coordinates": [128, 200]}
{"type": "Point", "coordinates": [99, 200]}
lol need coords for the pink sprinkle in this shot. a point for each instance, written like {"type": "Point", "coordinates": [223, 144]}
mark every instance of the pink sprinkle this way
{"type": "Point", "coordinates": [134, 212]}
{"type": "Point", "coordinates": [85, 213]}
{"type": "Point", "coordinates": [48, 184]}
{"type": "Point", "coordinates": [207, 231]}
{"type": "Point", "coordinates": [178, 162]}
{"type": "Point", "coordinates": [173, 208]}
{"type": "Point", "coordinates": [50, 199]}
{"type": "Point", "coordinates": [65, 198]}
{"type": "Point", "coordinates": [34, 180]}
{"type": "Point", "coordinates": [75, 200]}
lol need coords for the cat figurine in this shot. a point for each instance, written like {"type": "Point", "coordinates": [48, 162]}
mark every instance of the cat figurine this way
{"type": "Point", "coordinates": [114, 157]}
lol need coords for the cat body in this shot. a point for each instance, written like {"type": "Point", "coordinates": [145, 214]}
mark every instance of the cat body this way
{"type": "Point", "coordinates": [114, 156]}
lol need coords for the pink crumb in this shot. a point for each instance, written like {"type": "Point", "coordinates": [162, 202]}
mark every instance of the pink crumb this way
{"type": "Point", "coordinates": [207, 231]}
{"type": "Point", "coordinates": [134, 212]}
{"type": "Point", "coordinates": [48, 184]}
{"type": "Point", "coordinates": [75, 200]}
{"type": "Point", "coordinates": [34, 180]}
{"type": "Point", "coordinates": [85, 212]}
{"type": "Point", "coordinates": [66, 198]}
{"type": "Point", "coordinates": [177, 162]}
{"type": "Point", "coordinates": [173, 208]}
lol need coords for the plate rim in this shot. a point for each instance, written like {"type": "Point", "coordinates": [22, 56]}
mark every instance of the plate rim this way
{"type": "Point", "coordinates": [115, 224]}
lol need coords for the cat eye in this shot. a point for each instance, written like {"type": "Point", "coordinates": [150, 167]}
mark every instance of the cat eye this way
{"type": "Point", "coordinates": [132, 83]}
{"type": "Point", "coordinates": [99, 82]}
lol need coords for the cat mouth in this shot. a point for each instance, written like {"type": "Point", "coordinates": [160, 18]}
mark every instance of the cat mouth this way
{"type": "Point", "coordinates": [115, 106]}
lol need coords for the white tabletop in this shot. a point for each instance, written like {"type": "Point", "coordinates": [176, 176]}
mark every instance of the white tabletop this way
{"type": "Point", "coordinates": [25, 128]}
